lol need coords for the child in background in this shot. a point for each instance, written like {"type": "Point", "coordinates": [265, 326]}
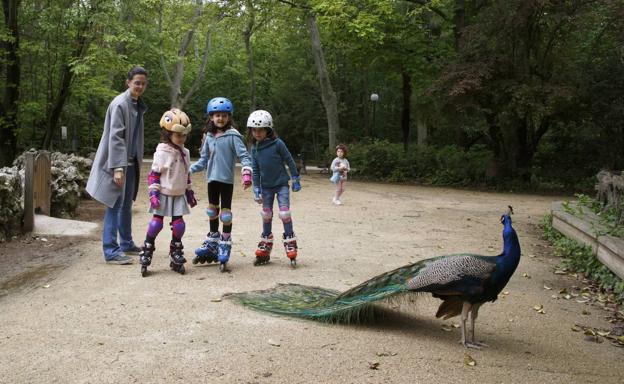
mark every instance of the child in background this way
{"type": "Point", "coordinates": [222, 145]}
{"type": "Point", "coordinates": [169, 185]}
{"type": "Point", "coordinates": [340, 168]}
{"type": "Point", "coordinates": [270, 179]}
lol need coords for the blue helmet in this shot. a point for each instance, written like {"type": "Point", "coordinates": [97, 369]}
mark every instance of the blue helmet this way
{"type": "Point", "coordinates": [219, 104]}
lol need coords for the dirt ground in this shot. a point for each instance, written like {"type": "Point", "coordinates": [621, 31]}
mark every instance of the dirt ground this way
{"type": "Point", "coordinates": [67, 317]}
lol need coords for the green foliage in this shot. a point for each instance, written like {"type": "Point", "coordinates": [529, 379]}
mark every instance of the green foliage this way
{"type": "Point", "coordinates": [11, 210]}
{"type": "Point", "coordinates": [532, 88]}
{"type": "Point", "coordinates": [448, 165]}
{"type": "Point", "coordinates": [580, 258]}
{"type": "Point", "coordinates": [609, 218]}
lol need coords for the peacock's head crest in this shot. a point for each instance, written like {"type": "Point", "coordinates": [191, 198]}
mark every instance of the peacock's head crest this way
{"type": "Point", "coordinates": [506, 217]}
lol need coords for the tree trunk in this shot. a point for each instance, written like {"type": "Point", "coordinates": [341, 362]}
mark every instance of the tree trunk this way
{"type": "Point", "coordinates": [330, 101]}
{"type": "Point", "coordinates": [10, 67]}
{"type": "Point", "coordinates": [250, 64]}
{"type": "Point", "coordinates": [459, 21]}
{"type": "Point", "coordinates": [406, 111]}
{"type": "Point", "coordinates": [175, 84]}
{"type": "Point", "coordinates": [421, 126]}
{"type": "Point", "coordinates": [67, 75]}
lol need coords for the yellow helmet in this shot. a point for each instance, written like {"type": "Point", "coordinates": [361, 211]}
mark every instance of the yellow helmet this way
{"type": "Point", "coordinates": [174, 120]}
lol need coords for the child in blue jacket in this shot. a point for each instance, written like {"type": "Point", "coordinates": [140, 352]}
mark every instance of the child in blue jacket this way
{"type": "Point", "coordinates": [270, 180]}
{"type": "Point", "coordinates": [222, 145]}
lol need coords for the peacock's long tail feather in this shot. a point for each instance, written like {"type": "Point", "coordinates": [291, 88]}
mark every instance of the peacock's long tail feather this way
{"type": "Point", "coordinates": [329, 305]}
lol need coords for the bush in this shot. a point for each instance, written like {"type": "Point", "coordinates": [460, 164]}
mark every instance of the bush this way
{"type": "Point", "coordinates": [69, 174]}
{"type": "Point", "coordinates": [69, 180]}
{"type": "Point", "coordinates": [448, 165]}
{"type": "Point", "coordinates": [580, 258]}
{"type": "Point", "coordinates": [11, 209]}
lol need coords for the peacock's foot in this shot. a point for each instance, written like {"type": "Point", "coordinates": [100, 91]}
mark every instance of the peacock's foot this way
{"type": "Point", "coordinates": [475, 344]}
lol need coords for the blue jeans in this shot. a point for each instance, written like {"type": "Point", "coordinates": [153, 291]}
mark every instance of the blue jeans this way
{"type": "Point", "coordinates": [118, 220]}
{"type": "Point", "coordinates": [283, 200]}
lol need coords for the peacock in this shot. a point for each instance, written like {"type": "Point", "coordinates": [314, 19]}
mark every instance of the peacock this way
{"type": "Point", "coordinates": [462, 281]}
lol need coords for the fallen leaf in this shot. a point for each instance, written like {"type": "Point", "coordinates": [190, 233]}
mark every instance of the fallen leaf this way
{"type": "Point", "coordinates": [526, 275]}
{"type": "Point", "coordinates": [374, 365]}
{"type": "Point", "coordinates": [446, 328]}
{"type": "Point", "coordinates": [216, 300]}
{"type": "Point", "coordinates": [538, 307]}
{"type": "Point", "coordinates": [547, 287]}
{"type": "Point", "coordinates": [575, 328]}
{"type": "Point", "coordinates": [505, 292]}
{"type": "Point", "coordinates": [46, 286]}
{"type": "Point", "coordinates": [273, 343]}
{"type": "Point", "coordinates": [468, 360]}
{"type": "Point", "coordinates": [586, 312]}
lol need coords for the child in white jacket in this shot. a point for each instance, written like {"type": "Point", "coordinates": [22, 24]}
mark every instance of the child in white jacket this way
{"type": "Point", "coordinates": [170, 190]}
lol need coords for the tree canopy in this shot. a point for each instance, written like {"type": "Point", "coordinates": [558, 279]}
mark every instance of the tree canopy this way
{"type": "Point", "coordinates": [538, 83]}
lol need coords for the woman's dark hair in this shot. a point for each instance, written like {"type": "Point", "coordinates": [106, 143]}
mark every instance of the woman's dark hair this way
{"type": "Point", "coordinates": [210, 127]}
{"type": "Point", "coordinates": [271, 134]}
{"type": "Point", "coordinates": [343, 147]}
{"type": "Point", "coordinates": [136, 71]}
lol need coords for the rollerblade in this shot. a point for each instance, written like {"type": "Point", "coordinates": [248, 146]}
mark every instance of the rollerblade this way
{"type": "Point", "coordinates": [207, 252]}
{"type": "Point", "coordinates": [145, 257]}
{"type": "Point", "coordinates": [290, 245]}
{"type": "Point", "coordinates": [225, 248]}
{"type": "Point", "coordinates": [263, 253]}
{"type": "Point", "coordinates": [176, 257]}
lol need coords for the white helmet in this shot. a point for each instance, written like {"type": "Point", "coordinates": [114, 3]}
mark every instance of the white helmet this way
{"type": "Point", "coordinates": [260, 119]}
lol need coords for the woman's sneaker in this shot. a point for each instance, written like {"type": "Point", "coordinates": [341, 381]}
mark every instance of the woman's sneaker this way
{"type": "Point", "coordinates": [121, 259]}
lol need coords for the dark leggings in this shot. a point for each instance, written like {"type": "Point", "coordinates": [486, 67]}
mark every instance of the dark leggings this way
{"type": "Point", "coordinates": [218, 191]}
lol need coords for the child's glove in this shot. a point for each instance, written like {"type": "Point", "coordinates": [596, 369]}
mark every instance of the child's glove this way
{"type": "Point", "coordinates": [246, 178]}
{"type": "Point", "coordinates": [154, 201]}
{"type": "Point", "coordinates": [190, 198]}
{"type": "Point", "coordinates": [296, 185]}
{"type": "Point", "coordinates": [257, 195]}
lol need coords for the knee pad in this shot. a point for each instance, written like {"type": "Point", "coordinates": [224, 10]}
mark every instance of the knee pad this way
{"type": "Point", "coordinates": [284, 214]}
{"type": "Point", "coordinates": [178, 227]}
{"type": "Point", "coordinates": [267, 215]}
{"type": "Point", "coordinates": [226, 216]}
{"type": "Point", "coordinates": [154, 227]}
{"type": "Point", "coordinates": [212, 211]}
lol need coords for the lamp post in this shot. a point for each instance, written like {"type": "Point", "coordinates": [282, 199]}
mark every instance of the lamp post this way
{"type": "Point", "coordinates": [374, 98]}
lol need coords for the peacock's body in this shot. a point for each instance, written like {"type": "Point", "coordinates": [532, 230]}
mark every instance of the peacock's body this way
{"type": "Point", "coordinates": [462, 281]}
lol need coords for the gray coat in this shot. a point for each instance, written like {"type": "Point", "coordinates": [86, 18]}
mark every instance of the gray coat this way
{"type": "Point", "coordinates": [114, 149]}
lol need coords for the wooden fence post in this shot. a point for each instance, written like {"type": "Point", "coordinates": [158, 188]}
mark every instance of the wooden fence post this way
{"type": "Point", "coordinates": [42, 187]}
{"type": "Point", "coordinates": [29, 176]}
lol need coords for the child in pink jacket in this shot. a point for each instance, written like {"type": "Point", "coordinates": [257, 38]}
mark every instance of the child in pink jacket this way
{"type": "Point", "coordinates": [169, 189]}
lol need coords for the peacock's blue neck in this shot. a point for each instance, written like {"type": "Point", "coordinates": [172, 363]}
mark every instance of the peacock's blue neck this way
{"type": "Point", "coordinates": [509, 259]}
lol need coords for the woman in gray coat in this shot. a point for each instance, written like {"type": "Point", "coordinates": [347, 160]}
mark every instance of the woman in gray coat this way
{"type": "Point", "coordinates": [114, 178]}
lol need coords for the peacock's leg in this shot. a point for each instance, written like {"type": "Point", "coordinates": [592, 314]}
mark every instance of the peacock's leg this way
{"type": "Point", "coordinates": [464, 316]}
{"type": "Point", "coordinates": [474, 313]}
